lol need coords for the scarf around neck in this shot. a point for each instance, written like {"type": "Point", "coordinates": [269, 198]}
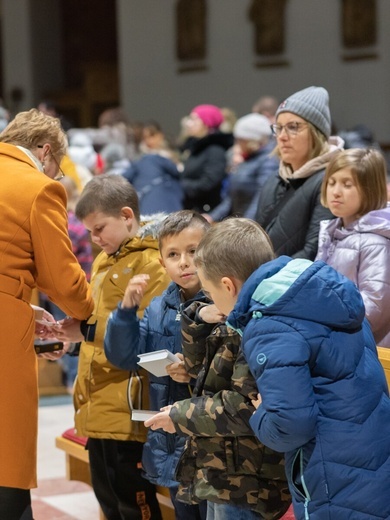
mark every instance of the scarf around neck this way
{"type": "Point", "coordinates": [320, 162]}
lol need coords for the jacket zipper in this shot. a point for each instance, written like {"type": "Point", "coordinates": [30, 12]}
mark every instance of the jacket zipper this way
{"type": "Point", "coordinates": [306, 494]}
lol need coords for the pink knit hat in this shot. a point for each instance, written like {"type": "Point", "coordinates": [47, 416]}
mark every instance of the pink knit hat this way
{"type": "Point", "coordinates": [211, 115]}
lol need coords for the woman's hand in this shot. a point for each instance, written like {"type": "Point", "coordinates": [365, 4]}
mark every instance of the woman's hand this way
{"type": "Point", "coordinates": [57, 354]}
{"type": "Point", "coordinates": [44, 327]}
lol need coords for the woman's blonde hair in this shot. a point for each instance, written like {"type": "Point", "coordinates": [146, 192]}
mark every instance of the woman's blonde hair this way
{"type": "Point", "coordinates": [33, 128]}
{"type": "Point", "coordinates": [319, 141]}
{"type": "Point", "coordinates": [235, 247]}
{"type": "Point", "coordinates": [368, 168]}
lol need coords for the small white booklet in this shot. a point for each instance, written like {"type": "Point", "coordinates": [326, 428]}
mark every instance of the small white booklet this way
{"type": "Point", "coordinates": [155, 362]}
{"type": "Point", "coordinates": [142, 415]}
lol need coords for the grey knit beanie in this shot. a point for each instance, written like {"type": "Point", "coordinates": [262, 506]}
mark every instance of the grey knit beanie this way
{"type": "Point", "coordinates": [312, 104]}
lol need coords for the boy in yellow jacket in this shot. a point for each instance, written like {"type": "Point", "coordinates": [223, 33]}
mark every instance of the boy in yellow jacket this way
{"type": "Point", "coordinates": [108, 207]}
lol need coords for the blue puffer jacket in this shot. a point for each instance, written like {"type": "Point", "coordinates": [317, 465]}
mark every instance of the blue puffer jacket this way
{"type": "Point", "coordinates": [126, 337]}
{"type": "Point", "coordinates": [324, 394]}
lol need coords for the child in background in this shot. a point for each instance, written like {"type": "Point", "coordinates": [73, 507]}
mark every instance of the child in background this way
{"type": "Point", "coordinates": [127, 336]}
{"type": "Point", "coordinates": [78, 234]}
{"type": "Point", "coordinates": [108, 207]}
{"type": "Point", "coordinates": [324, 397]}
{"type": "Point", "coordinates": [357, 243]}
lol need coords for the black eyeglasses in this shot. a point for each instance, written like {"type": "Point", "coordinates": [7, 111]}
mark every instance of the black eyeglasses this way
{"type": "Point", "coordinates": [292, 128]}
{"type": "Point", "coordinates": [60, 175]}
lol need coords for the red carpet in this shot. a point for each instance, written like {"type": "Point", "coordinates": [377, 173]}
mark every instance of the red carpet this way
{"type": "Point", "coordinates": [289, 515]}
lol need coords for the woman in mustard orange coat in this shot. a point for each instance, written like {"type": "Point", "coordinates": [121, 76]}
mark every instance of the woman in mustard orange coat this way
{"type": "Point", "coordinates": [35, 251]}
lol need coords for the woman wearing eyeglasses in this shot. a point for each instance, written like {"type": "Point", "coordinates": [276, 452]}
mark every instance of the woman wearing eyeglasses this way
{"type": "Point", "coordinates": [289, 206]}
{"type": "Point", "coordinates": [35, 251]}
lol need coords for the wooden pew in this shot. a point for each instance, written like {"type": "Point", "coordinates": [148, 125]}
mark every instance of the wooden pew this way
{"type": "Point", "coordinates": [77, 468]}
{"type": "Point", "coordinates": [384, 358]}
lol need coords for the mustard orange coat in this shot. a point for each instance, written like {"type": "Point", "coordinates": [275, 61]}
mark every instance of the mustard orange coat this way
{"type": "Point", "coordinates": [35, 251]}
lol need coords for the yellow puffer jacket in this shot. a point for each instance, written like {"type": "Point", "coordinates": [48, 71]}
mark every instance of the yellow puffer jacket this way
{"type": "Point", "coordinates": [102, 391]}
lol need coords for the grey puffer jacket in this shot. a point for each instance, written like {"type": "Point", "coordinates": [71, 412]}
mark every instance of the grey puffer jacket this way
{"type": "Point", "coordinates": [362, 253]}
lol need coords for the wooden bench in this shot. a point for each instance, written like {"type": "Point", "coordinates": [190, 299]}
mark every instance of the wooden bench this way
{"type": "Point", "coordinates": [77, 468]}
{"type": "Point", "coordinates": [384, 358]}
{"type": "Point", "coordinates": [50, 378]}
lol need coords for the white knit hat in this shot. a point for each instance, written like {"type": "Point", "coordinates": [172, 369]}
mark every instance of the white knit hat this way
{"type": "Point", "coordinates": [81, 150]}
{"type": "Point", "coordinates": [253, 127]}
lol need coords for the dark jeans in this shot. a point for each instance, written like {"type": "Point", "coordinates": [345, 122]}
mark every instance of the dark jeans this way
{"type": "Point", "coordinates": [15, 504]}
{"type": "Point", "coordinates": [123, 494]}
{"type": "Point", "coordinates": [188, 511]}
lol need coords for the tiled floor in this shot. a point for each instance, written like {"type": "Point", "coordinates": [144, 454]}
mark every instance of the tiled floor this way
{"type": "Point", "coordinates": [57, 498]}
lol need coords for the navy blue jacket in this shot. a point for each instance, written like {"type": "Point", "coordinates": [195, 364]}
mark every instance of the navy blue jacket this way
{"type": "Point", "coordinates": [126, 337]}
{"type": "Point", "coordinates": [324, 395]}
{"type": "Point", "coordinates": [156, 180]}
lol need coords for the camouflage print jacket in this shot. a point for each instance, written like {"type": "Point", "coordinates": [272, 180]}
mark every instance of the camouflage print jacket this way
{"type": "Point", "coordinates": [223, 461]}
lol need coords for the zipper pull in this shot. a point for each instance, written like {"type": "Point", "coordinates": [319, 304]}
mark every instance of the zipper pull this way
{"type": "Point", "coordinates": [306, 511]}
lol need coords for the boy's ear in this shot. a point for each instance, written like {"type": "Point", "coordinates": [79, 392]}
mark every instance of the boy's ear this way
{"type": "Point", "coordinates": [231, 285]}
{"type": "Point", "coordinates": [127, 213]}
{"type": "Point", "coordinates": [161, 262]}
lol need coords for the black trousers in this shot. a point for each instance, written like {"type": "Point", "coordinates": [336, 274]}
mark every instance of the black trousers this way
{"type": "Point", "coordinates": [123, 494]}
{"type": "Point", "coordinates": [15, 504]}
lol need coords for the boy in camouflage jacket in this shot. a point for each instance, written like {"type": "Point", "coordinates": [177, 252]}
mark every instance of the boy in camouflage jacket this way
{"type": "Point", "coordinates": [223, 461]}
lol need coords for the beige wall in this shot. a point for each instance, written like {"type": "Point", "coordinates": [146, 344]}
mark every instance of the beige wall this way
{"type": "Point", "coordinates": [152, 87]}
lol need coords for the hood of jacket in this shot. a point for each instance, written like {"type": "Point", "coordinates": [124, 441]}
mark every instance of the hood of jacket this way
{"type": "Point", "coordinates": [300, 289]}
{"type": "Point", "coordinates": [376, 222]}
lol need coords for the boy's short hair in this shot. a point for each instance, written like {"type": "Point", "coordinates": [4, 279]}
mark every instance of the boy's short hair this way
{"type": "Point", "coordinates": [235, 247]}
{"type": "Point", "coordinates": [108, 193]}
{"type": "Point", "coordinates": [176, 222]}
{"type": "Point", "coordinates": [368, 168]}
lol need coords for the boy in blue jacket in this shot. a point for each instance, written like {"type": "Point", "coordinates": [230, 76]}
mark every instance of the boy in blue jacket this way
{"type": "Point", "coordinates": [127, 336]}
{"type": "Point", "coordinates": [323, 395]}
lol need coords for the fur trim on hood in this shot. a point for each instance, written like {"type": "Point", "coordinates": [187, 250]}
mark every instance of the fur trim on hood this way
{"type": "Point", "coordinates": [150, 225]}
